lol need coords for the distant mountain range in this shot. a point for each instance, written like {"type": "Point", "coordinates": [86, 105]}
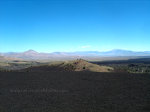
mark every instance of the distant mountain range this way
{"type": "Point", "coordinates": [33, 55]}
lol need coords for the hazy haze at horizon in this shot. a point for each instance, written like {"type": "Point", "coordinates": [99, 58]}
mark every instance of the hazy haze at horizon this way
{"type": "Point", "coordinates": [69, 25]}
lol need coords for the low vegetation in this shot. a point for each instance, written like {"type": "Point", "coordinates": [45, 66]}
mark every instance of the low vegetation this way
{"type": "Point", "coordinates": [130, 66]}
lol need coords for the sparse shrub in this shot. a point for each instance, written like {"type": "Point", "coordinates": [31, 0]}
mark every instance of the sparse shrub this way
{"type": "Point", "coordinates": [84, 67]}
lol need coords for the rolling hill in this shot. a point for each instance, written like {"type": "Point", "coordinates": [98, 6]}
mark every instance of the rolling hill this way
{"type": "Point", "coordinates": [76, 65]}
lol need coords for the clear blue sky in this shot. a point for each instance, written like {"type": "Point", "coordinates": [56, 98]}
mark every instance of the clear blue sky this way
{"type": "Point", "coordinates": [74, 25]}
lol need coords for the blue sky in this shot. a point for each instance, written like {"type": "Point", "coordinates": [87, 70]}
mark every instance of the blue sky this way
{"type": "Point", "coordinates": [74, 25]}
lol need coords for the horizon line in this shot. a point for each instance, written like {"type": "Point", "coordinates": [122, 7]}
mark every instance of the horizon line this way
{"type": "Point", "coordinates": [73, 51]}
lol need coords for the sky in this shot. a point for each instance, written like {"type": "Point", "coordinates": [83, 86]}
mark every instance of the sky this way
{"type": "Point", "coordinates": [74, 25]}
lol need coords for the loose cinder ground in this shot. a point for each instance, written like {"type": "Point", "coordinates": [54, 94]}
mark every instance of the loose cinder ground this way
{"type": "Point", "coordinates": [74, 92]}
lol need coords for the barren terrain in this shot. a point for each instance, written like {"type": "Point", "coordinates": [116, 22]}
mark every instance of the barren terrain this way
{"type": "Point", "coordinates": [74, 92]}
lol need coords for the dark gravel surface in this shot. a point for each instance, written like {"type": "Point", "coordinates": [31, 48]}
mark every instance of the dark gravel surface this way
{"type": "Point", "coordinates": [74, 92]}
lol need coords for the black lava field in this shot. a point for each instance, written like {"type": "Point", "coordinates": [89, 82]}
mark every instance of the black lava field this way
{"type": "Point", "coordinates": [74, 92]}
